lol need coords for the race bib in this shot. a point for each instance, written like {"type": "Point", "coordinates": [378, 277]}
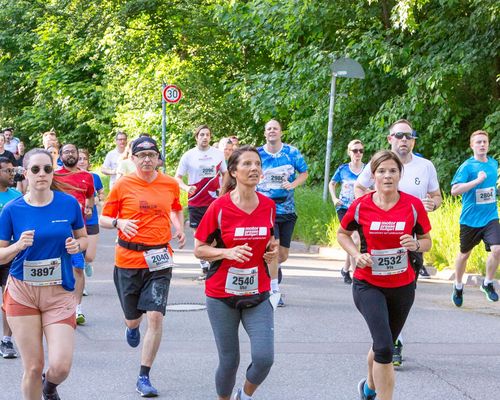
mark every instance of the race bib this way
{"type": "Point", "coordinates": [158, 259]}
{"type": "Point", "coordinates": [275, 181]}
{"type": "Point", "coordinates": [208, 171]}
{"type": "Point", "coordinates": [485, 196]}
{"type": "Point", "coordinates": [242, 281]}
{"type": "Point", "coordinates": [42, 272]}
{"type": "Point", "coordinates": [390, 261]}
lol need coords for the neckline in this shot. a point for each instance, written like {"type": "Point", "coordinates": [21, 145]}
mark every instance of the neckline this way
{"type": "Point", "coordinates": [240, 209]}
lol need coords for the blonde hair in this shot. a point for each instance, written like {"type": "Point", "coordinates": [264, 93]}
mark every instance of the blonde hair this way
{"type": "Point", "coordinates": [352, 143]}
{"type": "Point", "coordinates": [477, 133]}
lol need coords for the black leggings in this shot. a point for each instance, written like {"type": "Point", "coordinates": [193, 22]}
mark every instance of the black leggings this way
{"type": "Point", "coordinates": [385, 311]}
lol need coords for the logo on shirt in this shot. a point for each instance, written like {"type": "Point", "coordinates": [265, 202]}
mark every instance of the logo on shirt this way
{"type": "Point", "coordinates": [378, 227]}
{"type": "Point", "coordinates": [55, 221]}
{"type": "Point", "coordinates": [252, 231]}
{"type": "Point", "coordinates": [417, 181]}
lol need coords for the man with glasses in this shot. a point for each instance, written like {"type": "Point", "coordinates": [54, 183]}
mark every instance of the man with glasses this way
{"type": "Point", "coordinates": [111, 160]}
{"type": "Point", "coordinates": [7, 193]}
{"type": "Point", "coordinates": [419, 179]}
{"type": "Point", "coordinates": [142, 206]}
{"type": "Point", "coordinates": [79, 184]}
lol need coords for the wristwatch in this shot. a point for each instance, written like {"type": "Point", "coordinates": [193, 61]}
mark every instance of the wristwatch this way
{"type": "Point", "coordinates": [115, 223]}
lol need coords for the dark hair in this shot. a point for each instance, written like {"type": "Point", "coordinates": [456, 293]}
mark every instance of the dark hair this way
{"type": "Point", "coordinates": [385, 155]}
{"type": "Point", "coordinates": [197, 130]}
{"type": "Point", "coordinates": [68, 144]}
{"type": "Point", "coordinates": [118, 133]}
{"type": "Point", "coordinates": [5, 160]}
{"type": "Point", "coordinates": [86, 152]}
{"type": "Point", "coordinates": [229, 181]}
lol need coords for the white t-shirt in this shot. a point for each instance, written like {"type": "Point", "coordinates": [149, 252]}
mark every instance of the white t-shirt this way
{"type": "Point", "coordinates": [419, 177]}
{"type": "Point", "coordinates": [198, 164]}
{"type": "Point", "coordinates": [12, 146]}
{"type": "Point", "coordinates": [111, 162]}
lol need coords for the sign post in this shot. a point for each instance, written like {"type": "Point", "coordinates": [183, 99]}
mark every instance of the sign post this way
{"type": "Point", "coordinates": [342, 68]}
{"type": "Point", "coordinates": [170, 94]}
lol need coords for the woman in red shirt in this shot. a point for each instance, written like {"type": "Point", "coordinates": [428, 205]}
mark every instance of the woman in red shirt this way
{"type": "Point", "coordinates": [390, 224]}
{"type": "Point", "coordinates": [236, 236]}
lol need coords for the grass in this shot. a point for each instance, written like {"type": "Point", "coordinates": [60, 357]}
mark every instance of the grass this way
{"type": "Point", "coordinates": [318, 224]}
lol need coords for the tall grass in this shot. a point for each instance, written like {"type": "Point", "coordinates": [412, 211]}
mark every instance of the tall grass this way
{"type": "Point", "coordinates": [318, 224]}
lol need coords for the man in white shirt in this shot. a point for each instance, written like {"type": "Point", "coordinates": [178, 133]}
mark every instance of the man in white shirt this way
{"type": "Point", "coordinates": [111, 160]}
{"type": "Point", "coordinates": [11, 142]}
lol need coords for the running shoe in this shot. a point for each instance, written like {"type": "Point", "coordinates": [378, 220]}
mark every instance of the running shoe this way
{"type": "Point", "coordinates": [89, 270]}
{"type": "Point", "coordinates": [51, 396]}
{"type": "Point", "coordinates": [80, 319]}
{"type": "Point", "coordinates": [7, 350]}
{"type": "Point", "coordinates": [361, 391]}
{"type": "Point", "coordinates": [144, 387]}
{"type": "Point", "coordinates": [489, 291]}
{"type": "Point", "coordinates": [347, 276]}
{"type": "Point", "coordinates": [237, 395]}
{"type": "Point", "coordinates": [423, 274]}
{"type": "Point", "coordinates": [85, 292]}
{"type": "Point", "coordinates": [281, 303]}
{"type": "Point", "coordinates": [458, 296]}
{"type": "Point", "coordinates": [133, 336]}
{"type": "Point", "coordinates": [397, 355]}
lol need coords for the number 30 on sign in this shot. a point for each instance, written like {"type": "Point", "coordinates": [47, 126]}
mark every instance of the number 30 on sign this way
{"type": "Point", "coordinates": [172, 94]}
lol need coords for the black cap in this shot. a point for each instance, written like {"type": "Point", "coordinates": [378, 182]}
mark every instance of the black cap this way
{"type": "Point", "coordinates": [144, 143]}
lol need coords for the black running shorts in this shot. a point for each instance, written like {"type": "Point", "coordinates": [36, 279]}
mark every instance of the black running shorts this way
{"type": "Point", "coordinates": [283, 228]}
{"type": "Point", "coordinates": [195, 215]}
{"type": "Point", "coordinates": [470, 237]}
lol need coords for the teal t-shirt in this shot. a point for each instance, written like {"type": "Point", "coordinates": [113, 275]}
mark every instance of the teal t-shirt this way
{"type": "Point", "coordinates": [7, 196]}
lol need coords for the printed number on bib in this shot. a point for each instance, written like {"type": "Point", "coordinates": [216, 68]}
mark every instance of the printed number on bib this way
{"type": "Point", "coordinates": [275, 181]}
{"type": "Point", "coordinates": [158, 259]}
{"type": "Point", "coordinates": [207, 171]}
{"type": "Point", "coordinates": [242, 281]}
{"type": "Point", "coordinates": [42, 272]}
{"type": "Point", "coordinates": [390, 261]}
{"type": "Point", "coordinates": [485, 196]}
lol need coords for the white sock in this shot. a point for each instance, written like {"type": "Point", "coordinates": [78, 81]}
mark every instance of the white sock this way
{"type": "Point", "coordinates": [245, 396]}
{"type": "Point", "coordinates": [400, 338]}
{"type": "Point", "coordinates": [7, 339]}
{"type": "Point", "coordinates": [274, 285]}
{"type": "Point", "coordinates": [79, 309]}
{"type": "Point", "coordinates": [487, 281]}
{"type": "Point", "coordinates": [459, 286]}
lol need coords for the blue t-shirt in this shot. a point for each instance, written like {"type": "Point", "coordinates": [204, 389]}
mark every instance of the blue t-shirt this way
{"type": "Point", "coordinates": [7, 196]}
{"type": "Point", "coordinates": [52, 224]}
{"type": "Point", "coordinates": [277, 169]}
{"type": "Point", "coordinates": [347, 178]}
{"type": "Point", "coordinates": [94, 219]}
{"type": "Point", "coordinates": [479, 205]}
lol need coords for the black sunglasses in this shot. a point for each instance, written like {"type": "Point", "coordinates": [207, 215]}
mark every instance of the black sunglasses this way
{"type": "Point", "coordinates": [401, 135]}
{"type": "Point", "coordinates": [360, 151]}
{"type": "Point", "coordinates": [35, 169]}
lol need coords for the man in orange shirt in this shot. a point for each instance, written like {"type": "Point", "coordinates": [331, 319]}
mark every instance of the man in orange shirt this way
{"type": "Point", "coordinates": [140, 206]}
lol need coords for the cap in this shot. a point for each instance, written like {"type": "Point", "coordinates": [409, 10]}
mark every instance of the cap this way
{"type": "Point", "coordinates": [144, 143]}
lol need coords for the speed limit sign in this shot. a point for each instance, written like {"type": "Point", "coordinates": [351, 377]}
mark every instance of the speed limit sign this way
{"type": "Point", "coordinates": [172, 94]}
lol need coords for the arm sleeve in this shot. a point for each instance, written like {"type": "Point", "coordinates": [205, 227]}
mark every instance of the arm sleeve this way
{"type": "Point", "coordinates": [433, 179]}
{"type": "Point", "coordinates": [336, 176]}
{"type": "Point", "coordinates": [89, 193]}
{"type": "Point", "coordinates": [223, 166]}
{"type": "Point", "coordinates": [6, 230]}
{"type": "Point", "coordinates": [98, 183]}
{"type": "Point", "coordinates": [349, 222]}
{"type": "Point", "coordinates": [423, 224]}
{"type": "Point", "coordinates": [300, 163]}
{"type": "Point", "coordinates": [176, 204]}
{"type": "Point", "coordinates": [461, 176]}
{"type": "Point", "coordinates": [78, 217]}
{"type": "Point", "coordinates": [208, 224]}
{"type": "Point", "coordinates": [182, 168]}
{"type": "Point", "coordinates": [107, 161]}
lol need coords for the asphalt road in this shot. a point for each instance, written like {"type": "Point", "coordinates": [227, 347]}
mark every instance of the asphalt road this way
{"type": "Point", "coordinates": [321, 341]}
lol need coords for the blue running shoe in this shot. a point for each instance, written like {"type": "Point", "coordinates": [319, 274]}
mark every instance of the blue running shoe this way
{"type": "Point", "coordinates": [361, 391]}
{"type": "Point", "coordinates": [89, 271]}
{"type": "Point", "coordinates": [144, 387]}
{"type": "Point", "coordinates": [457, 296]}
{"type": "Point", "coordinates": [489, 291]}
{"type": "Point", "coordinates": [133, 336]}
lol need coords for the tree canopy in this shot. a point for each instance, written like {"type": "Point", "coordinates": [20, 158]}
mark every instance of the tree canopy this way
{"type": "Point", "coordinates": [90, 68]}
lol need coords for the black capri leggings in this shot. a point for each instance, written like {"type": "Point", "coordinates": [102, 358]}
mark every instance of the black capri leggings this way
{"type": "Point", "coordinates": [385, 311]}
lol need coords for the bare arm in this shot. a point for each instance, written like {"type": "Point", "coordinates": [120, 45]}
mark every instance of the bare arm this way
{"type": "Point", "coordinates": [206, 252]}
{"type": "Point", "coordinates": [421, 244]}
{"type": "Point", "coordinates": [344, 238]}
{"type": "Point", "coordinates": [460, 188]}
{"type": "Point", "coordinates": [108, 171]}
{"type": "Point", "coordinates": [177, 218]}
{"type": "Point", "coordinates": [301, 178]}
{"type": "Point", "coordinates": [183, 186]}
{"type": "Point", "coordinates": [360, 190]}
{"type": "Point", "coordinates": [331, 187]}
{"type": "Point", "coordinates": [432, 201]}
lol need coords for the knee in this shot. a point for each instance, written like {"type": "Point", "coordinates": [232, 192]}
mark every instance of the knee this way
{"type": "Point", "coordinates": [34, 370]}
{"type": "Point", "coordinates": [155, 320]}
{"type": "Point", "coordinates": [59, 371]}
{"type": "Point", "coordinates": [230, 362]}
{"type": "Point", "coordinates": [263, 361]}
{"type": "Point", "coordinates": [383, 353]}
{"type": "Point", "coordinates": [495, 252]}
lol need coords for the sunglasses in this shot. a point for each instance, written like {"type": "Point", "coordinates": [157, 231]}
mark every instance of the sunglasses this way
{"type": "Point", "coordinates": [35, 169]}
{"type": "Point", "coordinates": [401, 135]}
{"type": "Point", "coordinates": [356, 151]}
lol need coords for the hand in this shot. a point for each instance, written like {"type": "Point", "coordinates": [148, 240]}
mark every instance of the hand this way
{"type": "Point", "coordinates": [429, 204]}
{"type": "Point", "coordinates": [128, 227]}
{"type": "Point", "coordinates": [240, 254]}
{"type": "Point", "coordinates": [481, 176]}
{"type": "Point", "coordinates": [272, 253]}
{"type": "Point", "coordinates": [72, 245]}
{"type": "Point", "coordinates": [181, 238]}
{"type": "Point", "coordinates": [26, 240]}
{"type": "Point", "coordinates": [287, 185]}
{"type": "Point", "coordinates": [88, 212]}
{"type": "Point", "coordinates": [363, 260]}
{"type": "Point", "coordinates": [408, 242]}
{"type": "Point", "coordinates": [191, 190]}
{"type": "Point", "coordinates": [337, 202]}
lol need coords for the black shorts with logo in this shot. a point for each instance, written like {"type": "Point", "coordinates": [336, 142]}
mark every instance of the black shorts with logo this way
{"type": "Point", "coordinates": [195, 215]}
{"type": "Point", "coordinates": [141, 290]}
{"type": "Point", "coordinates": [470, 237]}
{"type": "Point", "coordinates": [283, 228]}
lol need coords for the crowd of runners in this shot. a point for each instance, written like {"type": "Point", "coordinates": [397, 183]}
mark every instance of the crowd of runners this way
{"type": "Point", "coordinates": [241, 208]}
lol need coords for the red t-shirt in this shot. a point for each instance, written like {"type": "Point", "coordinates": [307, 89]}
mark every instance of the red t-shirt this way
{"type": "Point", "coordinates": [230, 226]}
{"type": "Point", "coordinates": [80, 184]}
{"type": "Point", "coordinates": [380, 232]}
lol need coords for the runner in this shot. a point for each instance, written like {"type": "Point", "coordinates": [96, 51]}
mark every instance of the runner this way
{"type": "Point", "coordinates": [111, 160]}
{"type": "Point", "coordinates": [227, 147]}
{"type": "Point", "coordinates": [7, 194]}
{"type": "Point", "coordinates": [11, 142]}
{"type": "Point", "coordinates": [204, 165]}
{"type": "Point", "coordinates": [80, 185]}
{"type": "Point", "coordinates": [419, 179]}
{"type": "Point", "coordinates": [6, 153]}
{"type": "Point", "coordinates": [280, 161]}
{"type": "Point", "coordinates": [346, 175]}
{"type": "Point", "coordinates": [141, 207]}
{"type": "Point", "coordinates": [476, 181]}
{"type": "Point", "coordinates": [47, 228]}
{"type": "Point", "coordinates": [92, 223]}
{"type": "Point", "coordinates": [125, 164]}
{"type": "Point", "coordinates": [238, 282]}
{"type": "Point", "coordinates": [383, 286]}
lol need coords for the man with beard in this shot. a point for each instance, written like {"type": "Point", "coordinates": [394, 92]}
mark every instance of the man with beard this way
{"type": "Point", "coordinates": [80, 185]}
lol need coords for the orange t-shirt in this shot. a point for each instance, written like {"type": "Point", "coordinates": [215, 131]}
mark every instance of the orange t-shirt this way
{"type": "Point", "coordinates": [150, 203]}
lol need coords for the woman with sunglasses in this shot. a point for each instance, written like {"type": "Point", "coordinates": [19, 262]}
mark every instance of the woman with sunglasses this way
{"type": "Point", "coordinates": [346, 176]}
{"type": "Point", "coordinates": [46, 227]}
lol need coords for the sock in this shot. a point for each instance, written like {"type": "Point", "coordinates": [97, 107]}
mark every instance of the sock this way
{"type": "Point", "coordinates": [79, 309]}
{"type": "Point", "coordinates": [144, 370]}
{"type": "Point", "coordinates": [487, 282]}
{"type": "Point", "coordinates": [274, 285]}
{"type": "Point", "coordinates": [280, 274]}
{"type": "Point", "coordinates": [367, 391]}
{"type": "Point", "coordinates": [245, 396]}
{"type": "Point", "coordinates": [345, 268]}
{"type": "Point", "coordinates": [49, 387]}
{"type": "Point", "coordinates": [459, 286]}
{"type": "Point", "coordinates": [400, 338]}
{"type": "Point", "coordinates": [7, 339]}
